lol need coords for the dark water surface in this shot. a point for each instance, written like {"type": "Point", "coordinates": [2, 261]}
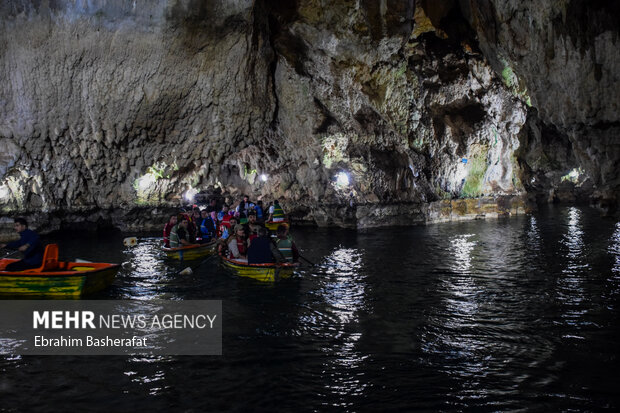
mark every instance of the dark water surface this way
{"type": "Point", "coordinates": [509, 314]}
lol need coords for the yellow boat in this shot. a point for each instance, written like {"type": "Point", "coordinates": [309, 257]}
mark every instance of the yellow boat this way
{"type": "Point", "coordinates": [273, 226]}
{"type": "Point", "coordinates": [260, 272]}
{"type": "Point", "coordinates": [191, 252]}
{"type": "Point", "coordinates": [56, 278]}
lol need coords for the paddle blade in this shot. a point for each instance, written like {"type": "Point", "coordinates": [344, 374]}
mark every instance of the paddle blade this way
{"type": "Point", "coordinates": [130, 241]}
{"type": "Point", "coordinates": [187, 271]}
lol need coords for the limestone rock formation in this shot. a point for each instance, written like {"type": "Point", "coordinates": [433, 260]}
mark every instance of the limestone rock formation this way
{"type": "Point", "coordinates": [110, 107]}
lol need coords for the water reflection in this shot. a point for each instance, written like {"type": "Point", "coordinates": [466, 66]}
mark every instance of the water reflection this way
{"type": "Point", "coordinates": [574, 267]}
{"type": "Point", "coordinates": [480, 316]}
{"type": "Point", "coordinates": [533, 235]}
{"type": "Point", "coordinates": [154, 382]}
{"type": "Point", "coordinates": [614, 249]}
{"type": "Point", "coordinates": [344, 291]}
{"type": "Point", "coordinates": [146, 267]}
{"type": "Point", "coordinates": [461, 249]}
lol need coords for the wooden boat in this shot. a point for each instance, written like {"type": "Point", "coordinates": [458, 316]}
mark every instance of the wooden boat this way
{"type": "Point", "coordinates": [191, 252]}
{"type": "Point", "coordinates": [273, 226]}
{"type": "Point", "coordinates": [56, 278]}
{"type": "Point", "coordinates": [260, 272]}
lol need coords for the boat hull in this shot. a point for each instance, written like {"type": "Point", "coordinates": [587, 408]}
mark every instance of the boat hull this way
{"type": "Point", "coordinates": [273, 226]}
{"type": "Point", "coordinates": [80, 279]}
{"type": "Point", "coordinates": [260, 272]}
{"type": "Point", "coordinates": [190, 253]}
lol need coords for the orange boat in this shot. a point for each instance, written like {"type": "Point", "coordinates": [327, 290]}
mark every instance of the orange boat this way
{"type": "Point", "coordinates": [56, 278]}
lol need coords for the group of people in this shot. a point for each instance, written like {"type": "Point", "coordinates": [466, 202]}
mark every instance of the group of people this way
{"type": "Point", "coordinates": [239, 232]}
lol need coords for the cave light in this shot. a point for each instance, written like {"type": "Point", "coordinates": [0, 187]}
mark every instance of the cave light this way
{"type": "Point", "coordinates": [4, 192]}
{"type": "Point", "coordinates": [263, 177]}
{"type": "Point", "coordinates": [190, 193]}
{"type": "Point", "coordinates": [342, 179]}
{"type": "Point", "coordinates": [572, 176]}
{"type": "Point", "coordinates": [461, 172]}
{"type": "Point", "coordinates": [145, 181]}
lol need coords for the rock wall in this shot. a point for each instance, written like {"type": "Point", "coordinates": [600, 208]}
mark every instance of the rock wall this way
{"type": "Point", "coordinates": [563, 57]}
{"type": "Point", "coordinates": [97, 95]}
{"type": "Point", "coordinates": [110, 106]}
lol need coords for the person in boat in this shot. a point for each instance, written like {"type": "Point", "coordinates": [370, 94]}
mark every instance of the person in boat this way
{"type": "Point", "coordinates": [286, 245]}
{"type": "Point", "coordinates": [260, 214]}
{"type": "Point", "coordinates": [244, 206]}
{"type": "Point", "coordinates": [194, 222]}
{"type": "Point", "coordinates": [262, 250]}
{"type": "Point", "coordinates": [28, 244]}
{"type": "Point", "coordinates": [224, 214]}
{"type": "Point", "coordinates": [237, 246]}
{"type": "Point", "coordinates": [168, 228]}
{"type": "Point", "coordinates": [179, 236]}
{"type": "Point", "coordinates": [251, 227]}
{"type": "Point", "coordinates": [212, 207]}
{"type": "Point", "coordinates": [226, 231]}
{"type": "Point", "coordinates": [276, 213]}
{"type": "Point", "coordinates": [226, 228]}
{"type": "Point", "coordinates": [207, 226]}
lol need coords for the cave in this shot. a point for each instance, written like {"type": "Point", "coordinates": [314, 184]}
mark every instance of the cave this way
{"type": "Point", "coordinates": [379, 125]}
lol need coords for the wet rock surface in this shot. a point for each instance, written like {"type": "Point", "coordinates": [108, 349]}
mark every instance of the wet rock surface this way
{"type": "Point", "coordinates": [110, 108]}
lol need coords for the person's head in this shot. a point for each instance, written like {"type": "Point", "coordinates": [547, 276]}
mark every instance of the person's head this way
{"type": "Point", "coordinates": [173, 220]}
{"type": "Point", "coordinates": [252, 218]}
{"type": "Point", "coordinates": [276, 202]}
{"type": "Point", "coordinates": [233, 221]}
{"type": "Point", "coordinates": [259, 203]}
{"type": "Point", "coordinates": [262, 232]}
{"type": "Point", "coordinates": [183, 222]}
{"type": "Point", "coordinates": [246, 198]}
{"type": "Point", "coordinates": [239, 230]}
{"type": "Point", "coordinates": [204, 213]}
{"type": "Point", "coordinates": [225, 207]}
{"type": "Point", "coordinates": [20, 224]}
{"type": "Point", "coordinates": [196, 213]}
{"type": "Point", "coordinates": [281, 231]}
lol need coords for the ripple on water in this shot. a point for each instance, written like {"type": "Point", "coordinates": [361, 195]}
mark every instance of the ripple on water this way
{"type": "Point", "coordinates": [494, 315]}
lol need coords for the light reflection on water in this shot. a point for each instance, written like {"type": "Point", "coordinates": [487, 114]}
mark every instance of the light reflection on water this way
{"type": "Point", "coordinates": [487, 315]}
{"type": "Point", "coordinates": [343, 290]}
{"type": "Point", "coordinates": [571, 291]}
{"type": "Point", "coordinates": [614, 249]}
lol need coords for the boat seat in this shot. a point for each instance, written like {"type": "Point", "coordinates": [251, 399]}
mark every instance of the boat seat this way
{"type": "Point", "coordinates": [50, 259]}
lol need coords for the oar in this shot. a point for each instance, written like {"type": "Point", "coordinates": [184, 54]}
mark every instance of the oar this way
{"type": "Point", "coordinates": [276, 273]}
{"type": "Point", "coordinates": [306, 259]}
{"type": "Point", "coordinates": [190, 270]}
{"type": "Point", "coordinates": [8, 254]}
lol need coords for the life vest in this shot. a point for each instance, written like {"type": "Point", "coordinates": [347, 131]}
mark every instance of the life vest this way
{"type": "Point", "coordinates": [241, 247]}
{"type": "Point", "coordinates": [167, 230]}
{"type": "Point", "coordinates": [286, 248]}
{"type": "Point", "coordinates": [224, 230]}
{"type": "Point", "coordinates": [278, 213]}
{"type": "Point", "coordinates": [174, 241]}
